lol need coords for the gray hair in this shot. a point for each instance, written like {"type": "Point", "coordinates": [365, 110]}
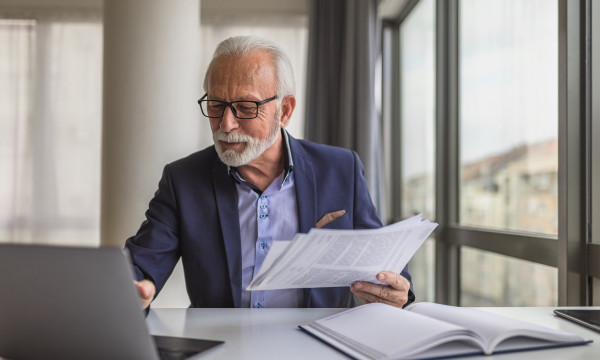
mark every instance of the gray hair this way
{"type": "Point", "coordinates": [242, 45]}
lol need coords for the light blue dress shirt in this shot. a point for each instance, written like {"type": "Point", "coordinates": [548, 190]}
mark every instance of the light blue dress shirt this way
{"type": "Point", "coordinates": [264, 218]}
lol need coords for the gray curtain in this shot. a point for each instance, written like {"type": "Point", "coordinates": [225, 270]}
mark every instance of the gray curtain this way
{"type": "Point", "coordinates": [340, 102]}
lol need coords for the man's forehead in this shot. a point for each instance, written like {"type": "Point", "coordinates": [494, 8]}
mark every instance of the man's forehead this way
{"type": "Point", "coordinates": [251, 63]}
{"type": "Point", "coordinates": [249, 72]}
{"type": "Point", "coordinates": [239, 72]}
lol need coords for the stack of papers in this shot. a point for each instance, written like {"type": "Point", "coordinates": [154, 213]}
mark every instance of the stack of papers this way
{"type": "Point", "coordinates": [330, 258]}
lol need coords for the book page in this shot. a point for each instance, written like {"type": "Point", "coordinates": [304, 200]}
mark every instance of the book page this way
{"type": "Point", "coordinates": [329, 258]}
{"type": "Point", "coordinates": [493, 329]}
{"type": "Point", "coordinates": [378, 330]}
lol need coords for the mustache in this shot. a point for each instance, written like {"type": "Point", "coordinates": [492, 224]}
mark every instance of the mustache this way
{"type": "Point", "coordinates": [219, 135]}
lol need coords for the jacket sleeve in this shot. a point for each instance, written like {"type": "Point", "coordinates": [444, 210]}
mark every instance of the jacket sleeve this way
{"type": "Point", "coordinates": [155, 248]}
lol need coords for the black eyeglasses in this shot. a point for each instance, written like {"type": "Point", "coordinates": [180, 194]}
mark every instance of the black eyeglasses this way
{"type": "Point", "coordinates": [241, 109]}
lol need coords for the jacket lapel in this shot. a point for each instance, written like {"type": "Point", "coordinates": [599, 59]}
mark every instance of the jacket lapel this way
{"type": "Point", "coordinates": [306, 195]}
{"type": "Point", "coordinates": [227, 208]}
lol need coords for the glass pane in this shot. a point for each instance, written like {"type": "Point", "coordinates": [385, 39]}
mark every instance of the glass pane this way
{"type": "Point", "coordinates": [51, 116]}
{"type": "Point", "coordinates": [16, 58]}
{"type": "Point", "coordinates": [489, 279]}
{"type": "Point", "coordinates": [417, 59]}
{"type": "Point", "coordinates": [509, 114]}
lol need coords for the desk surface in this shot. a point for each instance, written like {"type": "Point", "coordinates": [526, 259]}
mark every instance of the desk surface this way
{"type": "Point", "coordinates": [274, 334]}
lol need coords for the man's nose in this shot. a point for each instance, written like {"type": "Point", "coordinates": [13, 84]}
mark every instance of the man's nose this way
{"type": "Point", "coordinates": [228, 121]}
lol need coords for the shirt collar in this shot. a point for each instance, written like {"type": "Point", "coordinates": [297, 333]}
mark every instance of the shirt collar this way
{"type": "Point", "coordinates": [288, 164]}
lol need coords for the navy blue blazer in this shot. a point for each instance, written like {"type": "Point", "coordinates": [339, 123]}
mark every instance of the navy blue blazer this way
{"type": "Point", "coordinates": [194, 215]}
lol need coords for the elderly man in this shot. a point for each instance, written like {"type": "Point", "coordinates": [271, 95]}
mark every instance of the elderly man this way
{"type": "Point", "coordinates": [220, 209]}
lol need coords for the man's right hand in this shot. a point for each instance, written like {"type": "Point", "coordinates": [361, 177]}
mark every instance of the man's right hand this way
{"type": "Point", "coordinates": [146, 290]}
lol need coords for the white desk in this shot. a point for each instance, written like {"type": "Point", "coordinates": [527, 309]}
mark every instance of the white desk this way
{"type": "Point", "coordinates": [273, 333]}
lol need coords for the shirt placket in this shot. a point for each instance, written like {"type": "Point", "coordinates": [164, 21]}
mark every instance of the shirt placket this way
{"type": "Point", "coordinates": [263, 243]}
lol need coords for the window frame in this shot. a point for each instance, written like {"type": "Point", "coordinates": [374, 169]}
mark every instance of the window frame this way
{"type": "Point", "coordinates": [593, 253]}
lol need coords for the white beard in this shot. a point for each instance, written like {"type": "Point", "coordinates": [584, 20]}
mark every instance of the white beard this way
{"type": "Point", "coordinates": [254, 147]}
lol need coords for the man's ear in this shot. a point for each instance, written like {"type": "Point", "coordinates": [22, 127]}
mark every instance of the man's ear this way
{"type": "Point", "coordinates": [288, 104]}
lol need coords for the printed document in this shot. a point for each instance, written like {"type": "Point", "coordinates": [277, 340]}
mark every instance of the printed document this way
{"type": "Point", "coordinates": [330, 258]}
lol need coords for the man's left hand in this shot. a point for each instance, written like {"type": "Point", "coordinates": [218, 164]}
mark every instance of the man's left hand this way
{"type": "Point", "coordinates": [396, 294]}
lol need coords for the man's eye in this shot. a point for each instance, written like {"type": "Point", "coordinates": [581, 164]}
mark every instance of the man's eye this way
{"type": "Point", "coordinates": [245, 108]}
{"type": "Point", "coordinates": [216, 106]}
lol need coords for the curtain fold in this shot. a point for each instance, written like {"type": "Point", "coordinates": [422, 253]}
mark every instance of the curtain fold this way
{"type": "Point", "coordinates": [344, 41]}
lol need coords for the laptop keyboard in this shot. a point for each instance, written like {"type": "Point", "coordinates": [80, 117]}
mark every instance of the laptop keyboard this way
{"type": "Point", "coordinates": [168, 354]}
{"type": "Point", "coordinates": [177, 348]}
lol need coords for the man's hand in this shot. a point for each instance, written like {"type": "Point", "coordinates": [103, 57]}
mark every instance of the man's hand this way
{"type": "Point", "coordinates": [146, 289]}
{"type": "Point", "coordinates": [396, 294]}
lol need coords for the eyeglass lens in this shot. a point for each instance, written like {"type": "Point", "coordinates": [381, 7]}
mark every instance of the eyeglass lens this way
{"type": "Point", "coordinates": [241, 109]}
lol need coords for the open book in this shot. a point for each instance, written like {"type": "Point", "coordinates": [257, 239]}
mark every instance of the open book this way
{"type": "Point", "coordinates": [428, 330]}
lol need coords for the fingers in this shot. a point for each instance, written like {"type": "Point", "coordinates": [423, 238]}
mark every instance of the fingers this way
{"type": "Point", "coordinates": [396, 294]}
{"type": "Point", "coordinates": [396, 281]}
{"type": "Point", "coordinates": [146, 291]}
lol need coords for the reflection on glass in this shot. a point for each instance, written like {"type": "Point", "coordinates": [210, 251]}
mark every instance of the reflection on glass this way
{"type": "Point", "coordinates": [509, 114]}
{"type": "Point", "coordinates": [489, 279]}
{"type": "Point", "coordinates": [417, 52]}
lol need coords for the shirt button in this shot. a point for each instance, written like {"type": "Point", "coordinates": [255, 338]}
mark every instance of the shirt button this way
{"type": "Point", "coordinates": [264, 197]}
{"type": "Point", "coordinates": [264, 216]}
{"type": "Point", "coordinates": [263, 245]}
{"type": "Point", "coordinates": [258, 305]}
{"type": "Point", "coordinates": [263, 206]}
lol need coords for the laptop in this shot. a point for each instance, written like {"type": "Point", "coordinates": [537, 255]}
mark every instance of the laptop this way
{"type": "Point", "coordinates": [61, 302]}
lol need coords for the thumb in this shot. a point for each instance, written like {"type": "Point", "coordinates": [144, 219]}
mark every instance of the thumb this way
{"type": "Point", "coordinates": [146, 290]}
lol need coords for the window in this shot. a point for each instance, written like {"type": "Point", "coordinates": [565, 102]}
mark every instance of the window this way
{"type": "Point", "coordinates": [417, 114]}
{"type": "Point", "coordinates": [508, 126]}
{"type": "Point", "coordinates": [508, 113]}
{"type": "Point", "coordinates": [50, 116]}
{"type": "Point", "coordinates": [489, 279]}
{"type": "Point", "coordinates": [515, 181]}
